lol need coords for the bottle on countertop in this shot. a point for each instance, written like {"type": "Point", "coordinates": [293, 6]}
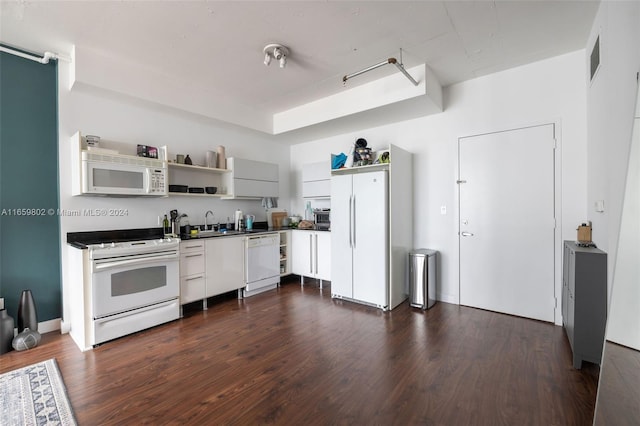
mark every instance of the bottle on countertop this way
{"type": "Point", "coordinates": [165, 225]}
{"type": "Point", "coordinates": [308, 212]}
{"type": "Point", "coordinates": [187, 160]}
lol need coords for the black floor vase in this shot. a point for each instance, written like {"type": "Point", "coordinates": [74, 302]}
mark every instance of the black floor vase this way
{"type": "Point", "coordinates": [27, 316]}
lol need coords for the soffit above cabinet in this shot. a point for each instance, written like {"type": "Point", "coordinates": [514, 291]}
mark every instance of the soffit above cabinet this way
{"type": "Point", "coordinates": [382, 101]}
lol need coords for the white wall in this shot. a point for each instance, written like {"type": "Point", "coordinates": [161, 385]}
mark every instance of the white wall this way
{"type": "Point", "coordinates": [123, 119]}
{"type": "Point", "coordinates": [610, 108]}
{"type": "Point", "coordinates": [543, 92]}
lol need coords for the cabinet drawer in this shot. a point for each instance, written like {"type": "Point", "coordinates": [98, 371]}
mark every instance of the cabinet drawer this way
{"type": "Point", "coordinates": [192, 288]}
{"type": "Point", "coordinates": [191, 246]}
{"type": "Point", "coordinates": [191, 263]}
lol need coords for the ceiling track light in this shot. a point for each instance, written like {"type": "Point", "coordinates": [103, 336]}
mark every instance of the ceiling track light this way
{"type": "Point", "coordinates": [276, 51]}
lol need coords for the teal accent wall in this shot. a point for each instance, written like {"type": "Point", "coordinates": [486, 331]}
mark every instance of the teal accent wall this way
{"type": "Point", "coordinates": [29, 243]}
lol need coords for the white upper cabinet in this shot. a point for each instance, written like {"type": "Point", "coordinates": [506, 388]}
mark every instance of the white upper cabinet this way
{"type": "Point", "coordinates": [252, 179]}
{"type": "Point", "coordinates": [316, 180]}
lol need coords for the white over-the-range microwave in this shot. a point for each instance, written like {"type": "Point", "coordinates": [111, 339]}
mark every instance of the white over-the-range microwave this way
{"type": "Point", "coordinates": [121, 175]}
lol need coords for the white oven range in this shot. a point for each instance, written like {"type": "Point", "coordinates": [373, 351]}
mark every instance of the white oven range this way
{"type": "Point", "coordinates": [133, 285]}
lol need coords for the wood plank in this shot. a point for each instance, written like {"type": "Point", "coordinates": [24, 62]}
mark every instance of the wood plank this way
{"type": "Point", "coordinates": [294, 356]}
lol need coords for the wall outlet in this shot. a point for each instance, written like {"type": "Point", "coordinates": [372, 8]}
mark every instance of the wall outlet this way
{"type": "Point", "coordinates": [443, 209]}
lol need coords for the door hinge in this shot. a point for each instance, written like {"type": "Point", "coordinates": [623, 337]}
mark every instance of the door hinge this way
{"type": "Point", "coordinates": [459, 181]}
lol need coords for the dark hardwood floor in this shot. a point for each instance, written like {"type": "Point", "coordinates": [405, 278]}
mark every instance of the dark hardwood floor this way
{"type": "Point", "coordinates": [295, 356]}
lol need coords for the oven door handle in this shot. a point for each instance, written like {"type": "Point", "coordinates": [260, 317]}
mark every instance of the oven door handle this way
{"type": "Point", "coordinates": [129, 262]}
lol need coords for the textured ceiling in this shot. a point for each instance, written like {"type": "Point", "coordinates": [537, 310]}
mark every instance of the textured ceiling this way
{"type": "Point", "coordinates": [218, 45]}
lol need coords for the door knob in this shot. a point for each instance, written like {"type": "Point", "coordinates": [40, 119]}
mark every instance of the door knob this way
{"type": "Point", "coordinates": [466, 234]}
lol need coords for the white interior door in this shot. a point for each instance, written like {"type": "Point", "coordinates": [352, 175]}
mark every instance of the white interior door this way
{"type": "Point", "coordinates": [507, 225]}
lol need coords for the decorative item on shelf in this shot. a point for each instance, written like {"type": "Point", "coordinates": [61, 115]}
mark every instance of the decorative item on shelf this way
{"type": "Point", "coordinates": [187, 160]}
{"type": "Point", "coordinates": [338, 161]}
{"type": "Point", "coordinates": [382, 157]}
{"type": "Point", "coordinates": [212, 159]}
{"type": "Point", "coordinates": [27, 339]}
{"type": "Point", "coordinates": [27, 315]}
{"type": "Point", "coordinates": [6, 331]}
{"type": "Point", "coordinates": [147, 151]}
{"type": "Point", "coordinates": [179, 158]}
{"type": "Point", "coordinates": [222, 159]}
{"type": "Point", "coordinates": [362, 154]}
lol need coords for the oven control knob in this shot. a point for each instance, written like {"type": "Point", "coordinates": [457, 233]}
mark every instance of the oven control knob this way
{"type": "Point", "coordinates": [113, 245]}
{"type": "Point", "coordinates": [101, 245]}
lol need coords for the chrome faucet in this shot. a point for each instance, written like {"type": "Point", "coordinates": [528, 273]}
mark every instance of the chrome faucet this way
{"type": "Point", "coordinates": [206, 227]}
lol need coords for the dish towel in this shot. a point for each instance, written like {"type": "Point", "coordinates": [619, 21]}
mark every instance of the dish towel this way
{"type": "Point", "coordinates": [269, 202]}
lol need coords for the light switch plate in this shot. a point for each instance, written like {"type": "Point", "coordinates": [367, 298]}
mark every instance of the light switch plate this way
{"type": "Point", "coordinates": [600, 206]}
{"type": "Point", "coordinates": [1, 302]}
{"type": "Point", "coordinates": [443, 209]}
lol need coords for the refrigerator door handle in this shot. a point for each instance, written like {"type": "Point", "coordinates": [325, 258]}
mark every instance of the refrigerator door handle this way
{"type": "Point", "coordinates": [350, 240]}
{"type": "Point", "coordinates": [353, 222]}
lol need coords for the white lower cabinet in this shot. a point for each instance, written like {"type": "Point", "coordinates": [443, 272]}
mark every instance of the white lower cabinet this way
{"type": "Point", "coordinates": [192, 271]}
{"type": "Point", "coordinates": [311, 254]}
{"type": "Point", "coordinates": [224, 264]}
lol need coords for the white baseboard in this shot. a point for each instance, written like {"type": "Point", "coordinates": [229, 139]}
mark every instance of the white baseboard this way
{"type": "Point", "coordinates": [448, 298]}
{"type": "Point", "coordinates": [45, 326]}
{"type": "Point", "coordinates": [49, 326]}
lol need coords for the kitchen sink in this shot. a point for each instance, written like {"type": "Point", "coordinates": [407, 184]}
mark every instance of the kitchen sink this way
{"type": "Point", "coordinates": [212, 233]}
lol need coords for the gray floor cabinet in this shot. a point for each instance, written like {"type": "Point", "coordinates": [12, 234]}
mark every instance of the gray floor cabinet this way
{"type": "Point", "coordinates": [584, 301]}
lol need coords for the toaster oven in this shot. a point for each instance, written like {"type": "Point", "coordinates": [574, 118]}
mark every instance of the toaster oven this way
{"type": "Point", "coordinates": [322, 218]}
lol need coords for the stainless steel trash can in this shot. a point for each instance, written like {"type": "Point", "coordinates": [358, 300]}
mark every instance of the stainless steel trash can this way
{"type": "Point", "coordinates": [422, 278]}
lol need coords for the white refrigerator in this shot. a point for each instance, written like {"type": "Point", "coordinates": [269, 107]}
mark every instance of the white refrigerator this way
{"type": "Point", "coordinates": [360, 237]}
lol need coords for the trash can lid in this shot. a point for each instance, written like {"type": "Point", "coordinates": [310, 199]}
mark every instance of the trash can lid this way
{"type": "Point", "coordinates": [422, 252]}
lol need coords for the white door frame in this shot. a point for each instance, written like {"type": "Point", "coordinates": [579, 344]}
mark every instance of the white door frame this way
{"type": "Point", "coordinates": [557, 247]}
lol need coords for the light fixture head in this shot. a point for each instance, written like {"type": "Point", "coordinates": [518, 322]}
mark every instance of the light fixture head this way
{"type": "Point", "coordinates": [275, 51]}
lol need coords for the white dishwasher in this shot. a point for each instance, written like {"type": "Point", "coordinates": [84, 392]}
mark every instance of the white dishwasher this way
{"type": "Point", "coordinates": [262, 263]}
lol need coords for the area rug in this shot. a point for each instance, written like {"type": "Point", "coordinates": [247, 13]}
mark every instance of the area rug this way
{"type": "Point", "coordinates": [35, 395]}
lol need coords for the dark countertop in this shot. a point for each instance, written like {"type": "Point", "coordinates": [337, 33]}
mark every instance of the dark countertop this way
{"type": "Point", "coordinates": [81, 240]}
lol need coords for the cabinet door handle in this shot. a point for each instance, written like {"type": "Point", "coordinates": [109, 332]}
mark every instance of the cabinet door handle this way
{"type": "Point", "coordinates": [193, 255]}
{"type": "Point", "coordinates": [194, 278]}
{"type": "Point", "coordinates": [311, 254]}
{"type": "Point", "coordinates": [316, 253]}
